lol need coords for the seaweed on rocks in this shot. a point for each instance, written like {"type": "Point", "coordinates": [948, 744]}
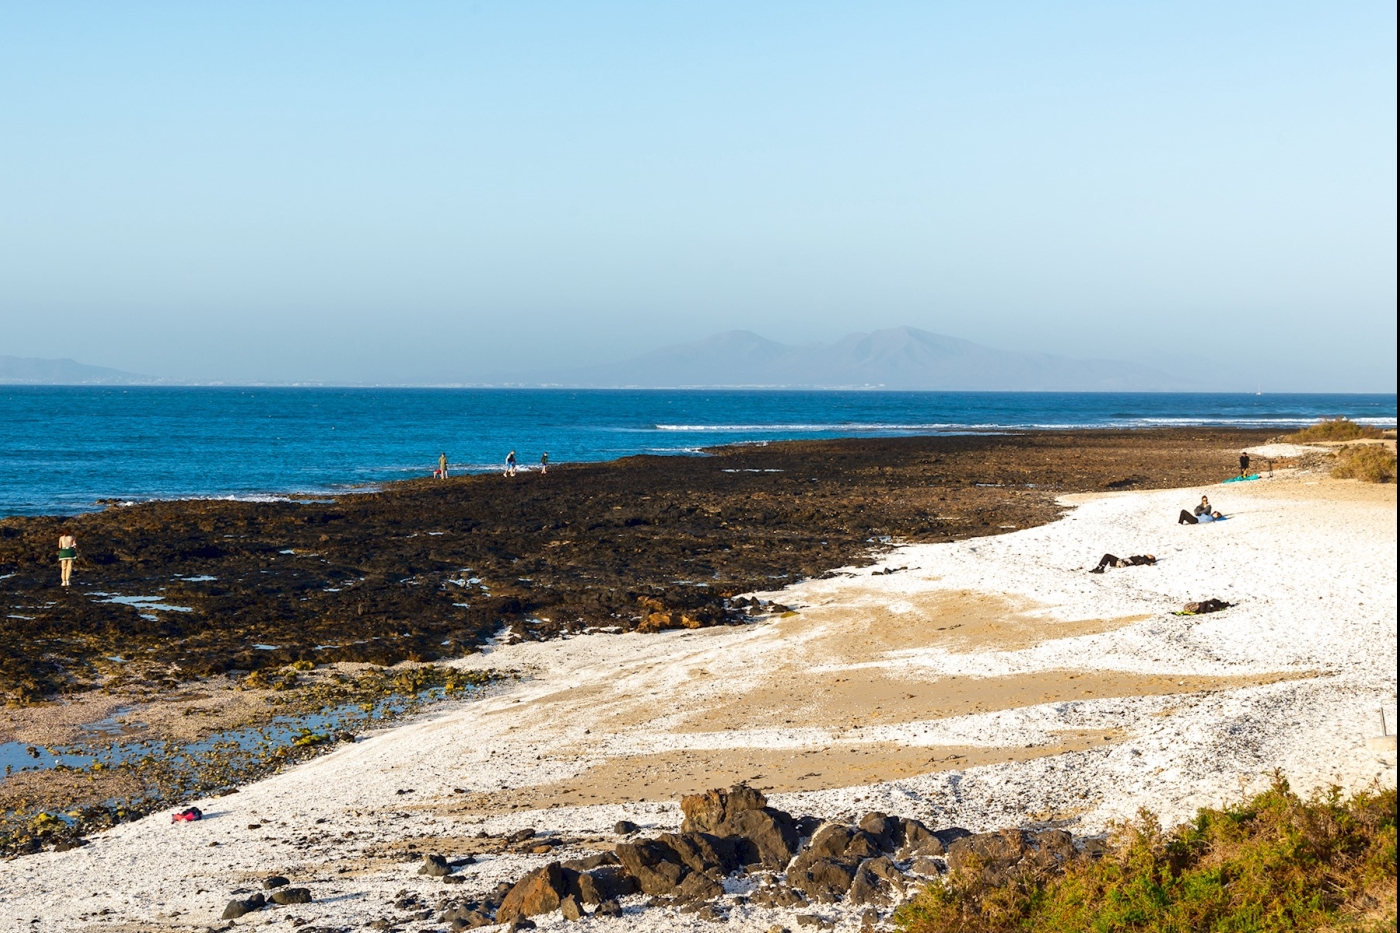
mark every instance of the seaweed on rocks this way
{"type": "Point", "coordinates": [170, 591]}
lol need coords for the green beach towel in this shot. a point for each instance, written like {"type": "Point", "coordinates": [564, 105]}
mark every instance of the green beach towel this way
{"type": "Point", "coordinates": [1242, 479]}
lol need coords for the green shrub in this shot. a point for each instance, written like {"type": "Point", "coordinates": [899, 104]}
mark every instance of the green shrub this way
{"type": "Point", "coordinates": [1371, 463]}
{"type": "Point", "coordinates": [1274, 862]}
{"type": "Point", "coordinates": [1335, 429]}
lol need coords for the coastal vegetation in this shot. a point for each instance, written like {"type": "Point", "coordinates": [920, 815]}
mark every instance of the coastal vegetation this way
{"type": "Point", "coordinates": [1273, 862]}
{"type": "Point", "coordinates": [1335, 429]}
{"type": "Point", "coordinates": [1370, 463]}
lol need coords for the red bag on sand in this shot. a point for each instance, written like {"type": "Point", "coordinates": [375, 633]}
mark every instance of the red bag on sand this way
{"type": "Point", "coordinates": [187, 816]}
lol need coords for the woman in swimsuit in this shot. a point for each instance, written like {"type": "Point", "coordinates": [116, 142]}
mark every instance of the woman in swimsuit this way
{"type": "Point", "coordinates": [67, 553]}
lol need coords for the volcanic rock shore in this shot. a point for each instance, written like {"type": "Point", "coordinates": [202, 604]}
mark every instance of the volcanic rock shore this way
{"type": "Point", "coordinates": [170, 591]}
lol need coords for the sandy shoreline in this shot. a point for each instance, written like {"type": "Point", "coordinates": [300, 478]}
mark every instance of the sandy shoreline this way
{"type": "Point", "coordinates": [990, 682]}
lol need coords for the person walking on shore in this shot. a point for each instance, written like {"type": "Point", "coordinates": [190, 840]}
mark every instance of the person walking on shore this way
{"type": "Point", "coordinates": [510, 463]}
{"type": "Point", "coordinates": [67, 553]}
{"type": "Point", "coordinates": [442, 465]}
{"type": "Point", "coordinates": [544, 463]}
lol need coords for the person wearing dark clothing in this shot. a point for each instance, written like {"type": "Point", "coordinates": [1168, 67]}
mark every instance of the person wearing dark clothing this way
{"type": "Point", "coordinates": [1137, 560]}
{"type": "Point", "coordinates": [1186, 518]}
{"type": "Point", "coordinates": [1200, 518]}
{"type": "Point", "coordinates": [1244, 463]}
{"type": "Point", "coordinates": [1204, 508]}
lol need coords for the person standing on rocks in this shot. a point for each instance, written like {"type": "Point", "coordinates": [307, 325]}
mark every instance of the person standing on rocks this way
{"type": "Point", "coordinates": [544, 463]}
{"type": "Point", "coordinates": [67, 553]}
{"type": "Point", "coordinates": [442, 465]}
{"type": "Point", "coordinates": [510, 463]}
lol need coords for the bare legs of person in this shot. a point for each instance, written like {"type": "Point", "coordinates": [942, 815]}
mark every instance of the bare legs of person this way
{"type": "Point", "coordinates": [65, 569]}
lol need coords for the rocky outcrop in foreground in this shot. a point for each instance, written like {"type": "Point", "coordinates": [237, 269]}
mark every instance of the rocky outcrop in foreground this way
{"type": "Point", "coordinates": [733, 848]}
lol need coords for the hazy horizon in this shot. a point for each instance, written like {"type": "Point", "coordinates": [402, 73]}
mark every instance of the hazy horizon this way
{"type": "Point", "coordinates": [352, 193]}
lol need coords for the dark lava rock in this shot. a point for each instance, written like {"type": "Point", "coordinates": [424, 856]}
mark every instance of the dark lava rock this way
{"type": "Point", "coordinates": [240, 906]}
{"type": "Point", "coordinates": [916, 839]}
{"type": "Point", "coordinates": [812, 920]}
{"type": "Point", "coordinates": [471, 919]}
{"type": "Point", "coordinates": [539, 892]}
{"type": "Point", "coordinates": [68, 845]}
{"type": "Point", "coordinates": [765, 836]}
{"type": "Point", "coordinates": [655, 865]}
{"type": "Point", "coordinates": [1052, 847]}
{"type": "Point", "coordinates": [863, 845]}
{"type": "Point", "coordinates": [570, 908]}
{"type": "Point", "coordinates": [608, 909]}
{"type": "Point", "coordinates": [520, 923]}
{"type": "Point", "coordinates": [697, 887]}
{"type": "Point", "coordinates": [708, 811]}
{"type": "Point", "coordinates": [286, 896]}
{"type": "Point", "coordinates": [275, 881]}
{"type": "Point", "coordinates": [876, 881]}
{"type": "Point", "coordinates": [606, 883]}
{"type": "Point", "coordinates": [821, 878]}
{"type": "Point", "coordinates": [435, 866]}
{"type": "Point", "coordinates": [521, 835]}
{"type": "Point", "coordinates": [830, 841]}
{"type": "Point", "coordinates": [882, 829]}
{"type": "Point", "coordinates": [625, 828]}
{"type": "Point", "coordinates": [992, 856]}
{"type": "Point", "coordinates": [702, 852]}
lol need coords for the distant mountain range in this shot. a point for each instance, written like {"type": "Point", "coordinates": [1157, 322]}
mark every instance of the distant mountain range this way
{"type": "Point", "coordinates": [899, 358]}
{"type": "Point", "coordinates": [27, 370]}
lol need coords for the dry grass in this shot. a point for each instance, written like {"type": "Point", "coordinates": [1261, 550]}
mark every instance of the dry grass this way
{"type": "Point", "coordinates": [1370, 463]}
{"type": "Point", "coordinates": [1335, 429]}
{"type": "Point", "coordinates": [1274, 862]}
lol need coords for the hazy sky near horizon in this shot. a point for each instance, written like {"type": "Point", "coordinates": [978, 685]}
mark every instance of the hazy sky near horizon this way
{"type": "Point", "coordinates": [432, 192]}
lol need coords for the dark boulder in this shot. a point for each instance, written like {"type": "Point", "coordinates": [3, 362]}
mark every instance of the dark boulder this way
{"type": "Point", "coordinates": [276, 881]}
{"type": "Point", "coordinates": [285, 896]}
{"type": "Point", "coordinates": [655, 865]}
{"type": "Point", "coordinates": [876, 881]}
{"type": "Point", "coordinates": [993, 857]}
{"type": "Point", "coordinates": [626, 828]}
{"type": "Point", "coordinates": [435, 866]}
{"type": "Point", "coordinates": [831, 840]}
{"type": "Point", "coordinates": [765, 836]}
{"type": "Point", "coordinates": [240, 906]}
{"type": "Point", "coordinates": [703, 852]}
{"type": "Point", "coordinates": [605, 883]}
{"type": "Point", "coordinates": [882, 829]}
{"type": "Point", "coordinates": [539, 892]}
{"type": "Point", "coordinates": [706, 812]}
{"type": "Point", "coordinates": [821, 878]}
{"type": "Point", "coordinates": [916, 839]}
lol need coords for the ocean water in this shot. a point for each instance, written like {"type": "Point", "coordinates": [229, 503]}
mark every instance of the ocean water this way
{"type": "Point", "coordinates": [64, 448]}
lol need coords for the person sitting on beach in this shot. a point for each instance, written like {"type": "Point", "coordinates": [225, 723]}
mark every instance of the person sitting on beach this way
{"type": "Point", "coordinates": [1201, 518]}
{"type": "Point", "coordinates": [67, 553]}
{"type": "Point", "coordinates": [510, 463]}
{"type": "Point", "coordinates": [1137, 560]}
{"type": "Point", "coordinates": [1204, 508]}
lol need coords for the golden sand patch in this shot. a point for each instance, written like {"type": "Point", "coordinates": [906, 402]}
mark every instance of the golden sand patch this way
{"type": "Point", "coordinates": [869, 624]}
{"type": "Point", "coordinates": [668, 775]}
{"type": "Point", "coordinates": [878, 696]}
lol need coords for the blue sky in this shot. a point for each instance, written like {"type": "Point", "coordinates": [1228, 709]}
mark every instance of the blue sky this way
{"type": "Point", "coordinates": [436, 191]}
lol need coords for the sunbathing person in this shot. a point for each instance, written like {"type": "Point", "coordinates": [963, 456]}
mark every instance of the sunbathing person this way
{"type": "Point", "coordinates": [1137, 560]}
{"type": "Point", "coordinates": [1186, 518]}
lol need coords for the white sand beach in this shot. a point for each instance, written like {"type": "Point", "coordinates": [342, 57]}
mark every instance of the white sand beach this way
{"type": "Point", "coordinates": [985, 683]}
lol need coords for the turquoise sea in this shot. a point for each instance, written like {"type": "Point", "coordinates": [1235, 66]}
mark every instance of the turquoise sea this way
{"type": "Point", "coordinates": [64, 448]}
